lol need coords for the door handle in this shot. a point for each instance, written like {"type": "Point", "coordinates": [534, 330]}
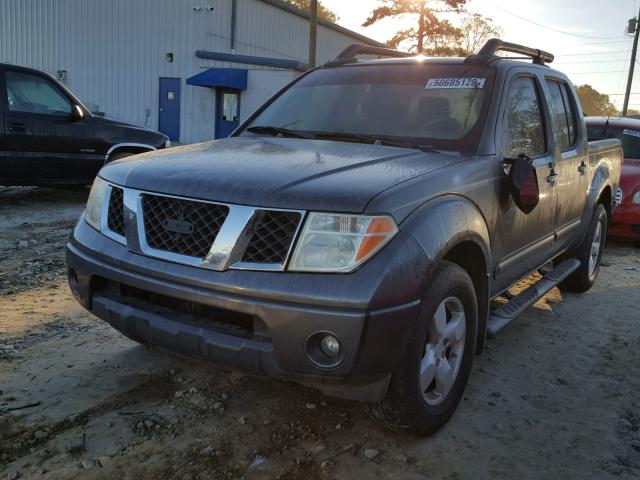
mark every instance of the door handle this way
{"type": "Point", "coordinates": [17, 127]}
{"type": "Point", "coordinates": [582, 168]}
{"type": "Point", "coordinates": [552, 177]}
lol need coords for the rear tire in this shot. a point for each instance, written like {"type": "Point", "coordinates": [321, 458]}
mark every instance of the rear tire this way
{"type": "Point", "coordinates": [427, 387]}
{"type": "Point", "coordinates": [589, 254]}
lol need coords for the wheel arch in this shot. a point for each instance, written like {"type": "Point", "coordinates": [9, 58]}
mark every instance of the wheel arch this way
{"type": "Point", "coordinates": [600, 189]}
{"type": "Point", "coordinates": [605, 198]}
{"type": "Point", "coordinates": [452, 228]}
{"type": "Point", "coordinates": [134, 148]}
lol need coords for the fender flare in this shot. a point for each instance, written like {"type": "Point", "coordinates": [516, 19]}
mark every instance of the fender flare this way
{"type": "Point", "coordinates": [441, 224]}
{"type": "Point", "coordinates": [601, 179]}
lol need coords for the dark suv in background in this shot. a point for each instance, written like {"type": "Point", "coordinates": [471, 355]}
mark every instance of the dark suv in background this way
{"type": "Point", "coordinates": [47, 136]}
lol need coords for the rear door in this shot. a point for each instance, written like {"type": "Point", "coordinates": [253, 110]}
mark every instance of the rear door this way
{"type": "Point", "coordinates": [526, 241]}
{"type": "Point", "coordinates": [571, 160]}
{"type": "Point", "coordinates": [43, 141]}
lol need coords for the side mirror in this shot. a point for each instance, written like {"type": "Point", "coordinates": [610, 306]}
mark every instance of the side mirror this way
{"type": "Point", "coordinates": [523, 182]}
{"type": "Point", "coordinates": [77, 113]}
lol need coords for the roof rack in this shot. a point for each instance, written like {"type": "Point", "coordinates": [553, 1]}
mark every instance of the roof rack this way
{"type": "Point", "coordinates": [350, 53]}
{"type": "Point", "coordinates": [487, 52]}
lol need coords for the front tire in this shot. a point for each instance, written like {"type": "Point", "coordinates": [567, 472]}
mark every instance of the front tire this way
{"type": "Point", "coordinates": [589, 254]}
{"type": "Point", "coordinates": [427, 387]}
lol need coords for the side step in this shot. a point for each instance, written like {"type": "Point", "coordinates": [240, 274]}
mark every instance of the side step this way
{"type": "Point", "coordinates": [505, 314]}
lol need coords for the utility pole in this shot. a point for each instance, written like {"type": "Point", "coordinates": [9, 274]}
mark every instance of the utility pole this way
{"type": "Point", "coordinates": [632, 27]}
{"type": "Point", "coordinates": [313, 33]}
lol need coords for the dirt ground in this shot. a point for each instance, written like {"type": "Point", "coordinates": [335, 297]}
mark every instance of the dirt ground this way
{"type": "Point", "coordinates": [556, 395]}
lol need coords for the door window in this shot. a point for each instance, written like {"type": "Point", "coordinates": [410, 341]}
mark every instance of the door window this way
{"type": "Point", "coordinates": [29, 93]}
{"type": "Point", "coordinates": [525, 126]}
{"type": "Point", "coordinates": [230, 107]}
{"type": "Point", "coordinates": [563, 114]}
{"type": "Point", "coordinates": [570, 108]}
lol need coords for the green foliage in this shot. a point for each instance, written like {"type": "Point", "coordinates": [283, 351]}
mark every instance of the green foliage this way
{"type": "Point", "coordinates": [323, 12]}
{"type": "Point", "coordinates": [594, 102]}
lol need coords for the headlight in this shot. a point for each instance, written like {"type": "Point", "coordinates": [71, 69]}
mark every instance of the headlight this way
{"type": "Point", "coordinates": [636, 197]}
{"type": "Point", "coordinates": [93, 210]}
{"type": "Point", "coordinates": [340, 243]}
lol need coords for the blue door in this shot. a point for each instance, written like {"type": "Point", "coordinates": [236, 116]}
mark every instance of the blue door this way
{"type": "Point", "coordinates": [169, 116]}
{"type": "Point", "coordinates": [227, 111]}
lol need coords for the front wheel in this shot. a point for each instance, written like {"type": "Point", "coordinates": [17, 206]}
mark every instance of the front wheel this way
{"type": "Point", "coordinates": [426, 389]}
{"type": "Point", "coordinates": [589, 254]}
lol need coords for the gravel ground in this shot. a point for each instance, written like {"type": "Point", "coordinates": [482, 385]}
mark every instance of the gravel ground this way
{"type": "Point", "coordinates": [554, 396]}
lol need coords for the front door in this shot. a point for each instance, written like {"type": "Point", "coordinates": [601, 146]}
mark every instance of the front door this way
{"type": "Point", "coordinates": [43, 141]}
{"type": "Point", "coordinates": [169, 108]}
{"type": "Point", "coordinates": [227, 112]}
{"type": "Point", "coordinates": [526, 241]}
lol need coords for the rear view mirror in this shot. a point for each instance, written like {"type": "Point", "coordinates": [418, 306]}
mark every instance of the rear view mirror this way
{"type": "Point", "coordinates": [523, 182]}
{"type": "Point", "coordinates": [77, 113]}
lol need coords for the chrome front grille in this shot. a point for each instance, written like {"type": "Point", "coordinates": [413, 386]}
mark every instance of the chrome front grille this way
{"type": "Point", "coordinates": [185, 227]}
{"type": "Point", "coordinates": [205, 234]}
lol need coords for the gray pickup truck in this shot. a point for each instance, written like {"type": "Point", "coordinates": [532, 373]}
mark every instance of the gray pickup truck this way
{"type": "Point", "coordinates": [353, 234]}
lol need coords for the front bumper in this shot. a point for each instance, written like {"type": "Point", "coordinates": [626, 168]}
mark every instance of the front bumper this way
{"type": "Point", "coordinates": [626, 221]}
{"type": "Point", "coordinates": [257, 321]}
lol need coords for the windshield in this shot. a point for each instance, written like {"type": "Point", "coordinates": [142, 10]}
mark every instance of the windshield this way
{"type": "Point", "coordinates": [630, 138]}
{"type": "Point", "coordinates": [439, 105]}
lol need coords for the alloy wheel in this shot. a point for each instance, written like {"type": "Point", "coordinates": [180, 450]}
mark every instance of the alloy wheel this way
{"type": "Point", "coordinates": [595, 248]}
{"type": "Point", "coordinates": [443, 351]}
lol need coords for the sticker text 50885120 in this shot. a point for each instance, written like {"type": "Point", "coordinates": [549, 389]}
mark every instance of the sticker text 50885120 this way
{"type": "Point", "coordinates": [455, 83]}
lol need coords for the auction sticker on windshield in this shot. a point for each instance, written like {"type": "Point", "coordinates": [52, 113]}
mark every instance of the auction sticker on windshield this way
{"type": "Point", "coordinates": [633, 133]}
{"type": "Point", "coordinates": [455, 83]}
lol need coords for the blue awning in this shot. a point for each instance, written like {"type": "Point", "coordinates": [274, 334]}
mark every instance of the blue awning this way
{"type": "Point", "coordinates": [220, 77]}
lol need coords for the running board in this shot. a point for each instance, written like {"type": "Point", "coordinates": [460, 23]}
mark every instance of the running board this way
{"type": "Point", "coordinates": [505, 314]}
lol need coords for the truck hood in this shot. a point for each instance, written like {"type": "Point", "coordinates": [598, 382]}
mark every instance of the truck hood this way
{"type": "Point", "coordinates": [277, 172]}
{"type": "Point", "coordinates": [109, 122]}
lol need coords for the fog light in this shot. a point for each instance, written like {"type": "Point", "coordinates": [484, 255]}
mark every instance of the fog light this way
{"type": "Point", "coordinates": [330, 346]}
{"type": "Point", "coordinates": [324, 349]}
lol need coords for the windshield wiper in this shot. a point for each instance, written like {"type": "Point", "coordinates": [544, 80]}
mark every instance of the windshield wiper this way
{"type": "Point", "coordinates": [362, 138]}
{"type": "Point", "coordinates": [276, 131]}
{"type": "Point", "coordinates": [338, 136]}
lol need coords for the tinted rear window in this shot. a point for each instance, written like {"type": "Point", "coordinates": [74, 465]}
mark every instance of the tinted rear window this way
{"type": "Point", "coordinates": [629, 137]}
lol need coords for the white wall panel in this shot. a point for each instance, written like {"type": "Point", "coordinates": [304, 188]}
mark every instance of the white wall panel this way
{"type": "Point", "coordinates": [114, 51]}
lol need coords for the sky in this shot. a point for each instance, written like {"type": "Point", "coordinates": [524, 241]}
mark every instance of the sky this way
{"type": "Point", "coordinates": [586, 36]}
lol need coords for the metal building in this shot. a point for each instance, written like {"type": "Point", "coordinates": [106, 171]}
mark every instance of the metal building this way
{"type": "Point", "coordinates": [190, 68]}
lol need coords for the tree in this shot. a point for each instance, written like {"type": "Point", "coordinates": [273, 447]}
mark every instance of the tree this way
{"type": "Point", "coordinates": [594, 102]}
{"type": "Point", "coordinates": [476, 30]}
{"type": "Point", "coordinates": [450, 41]}
{"type": "Point", "coordinates": [323, 12]}
{"type": "Point", "coordinates": [427, 24]}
